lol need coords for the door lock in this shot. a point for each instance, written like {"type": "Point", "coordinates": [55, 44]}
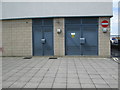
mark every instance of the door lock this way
{"type": "Point", "coordinates": [82, 41]}
{"type": "Point", "coordinates": [43, 41]}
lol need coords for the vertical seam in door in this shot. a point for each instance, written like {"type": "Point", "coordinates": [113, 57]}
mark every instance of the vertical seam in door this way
{"type": "Point", "coordinates": [81, 35]}
{"type": "Point", "coordinates": [42, 44]}
{"type": "Point", "coordinates": [32, 39]}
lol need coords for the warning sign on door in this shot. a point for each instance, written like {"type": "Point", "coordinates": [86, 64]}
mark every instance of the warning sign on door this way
{"type": "Point", "coordinates": [73, 35]}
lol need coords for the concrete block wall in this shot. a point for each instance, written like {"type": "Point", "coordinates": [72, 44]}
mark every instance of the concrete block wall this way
{"type": "Point", "coordinates": [0, 38]}
{"type": "Point", "coordinates": [59, 39]}
{"type": "Point", "coordinates": [104, 39]}
{"type": "Point", "coordinates": [17, 37]}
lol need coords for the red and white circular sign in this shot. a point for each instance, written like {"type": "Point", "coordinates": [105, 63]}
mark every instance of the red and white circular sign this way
{"type": "Point", "coordinates": [105, 23]}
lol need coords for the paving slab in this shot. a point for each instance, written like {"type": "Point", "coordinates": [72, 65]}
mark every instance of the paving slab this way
{"type": "Point", "coordinates": [18, 85]}
{"type": "Point", "coordinates": [73, 85]}
{"type": "Point", "coordinates": [102, 86]}
{"type": "Point", "coordinates": [84, 80]}
{"type": "Point", "coordinates": [59, 85]}
{"type": "Point", "coordinates": [87, 85]}
{"type": "Point", "coordinates": [45, 85]}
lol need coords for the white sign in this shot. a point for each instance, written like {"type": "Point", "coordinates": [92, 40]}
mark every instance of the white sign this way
{"type": "Point", "coordinates": [72, 33]}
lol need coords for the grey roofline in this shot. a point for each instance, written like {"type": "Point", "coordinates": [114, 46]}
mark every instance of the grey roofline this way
{"type": "Point", "coordinates": [55, 17]}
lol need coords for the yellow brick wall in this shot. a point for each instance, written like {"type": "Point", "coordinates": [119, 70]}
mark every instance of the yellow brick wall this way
{"type": "Point", "coordinates": [0, 38]}
{"type": "Point", "coordinates": [17, 37]}
{"type": "Point", "coordinates": [59, 39]}
{"type": "Point", "coordinates": [104, 39]}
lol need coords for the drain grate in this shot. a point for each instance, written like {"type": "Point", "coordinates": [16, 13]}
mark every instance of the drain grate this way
{"type": "Point", "coordinates": [52, 57]}
{"type": "Point", "coordinates": [27, 57]}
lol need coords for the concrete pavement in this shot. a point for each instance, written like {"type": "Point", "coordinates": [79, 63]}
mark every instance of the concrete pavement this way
{"type": "Point", "coordinates": [64, 72]}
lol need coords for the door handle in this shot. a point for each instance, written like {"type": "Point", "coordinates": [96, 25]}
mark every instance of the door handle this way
{"type": "Point", "coordinates": [82, 41]}
{"type": "Point", "coordinates": [43, 41]}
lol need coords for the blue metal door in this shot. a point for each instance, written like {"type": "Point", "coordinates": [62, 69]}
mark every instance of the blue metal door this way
{"type": "Point", "coordinates": [85, 39]}
{"type": "Point", "coordinates": [48, 36]}
{"type": "Point", "coordinates": [72, 41]}
{"type": "Point", "coordinates": [38, 49]}
{"type": "Point", "coordinates": [90, 47]}
{"type": "Point", "coordinates": [42, 37]}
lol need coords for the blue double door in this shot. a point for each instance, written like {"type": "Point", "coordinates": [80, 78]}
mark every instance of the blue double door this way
{"type": "Point", "coordinates": [42, 37]}
{"type": "Point", "coordinates": [81, 36]}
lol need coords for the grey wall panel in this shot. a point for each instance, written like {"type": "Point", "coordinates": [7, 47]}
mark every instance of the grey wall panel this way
{"type": "Point", "coordinates": [55, 9]}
